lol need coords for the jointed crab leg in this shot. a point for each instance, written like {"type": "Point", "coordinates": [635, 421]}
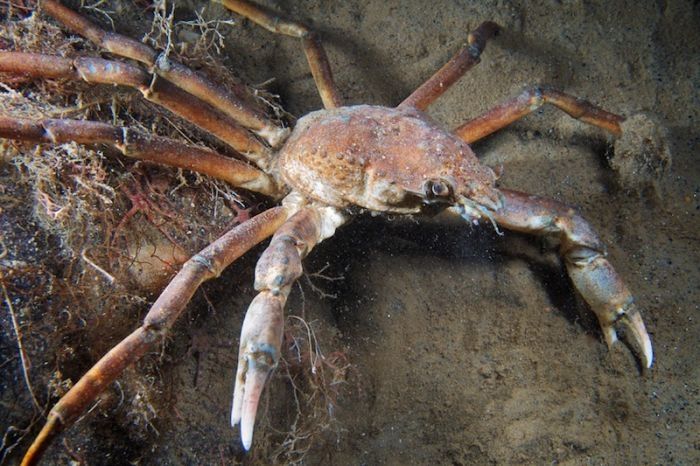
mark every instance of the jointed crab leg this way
{"type": "Point", "coordinates": [315, 54]}
{"type": "Point", "coordinates": [261, 336]}
{"type": "Point", "coordinates": [529, 101]}
{"type": "Point", "coordinates": [454, 69]}
{"type": "Point", "coordinates": [584, 255]}
{"type": "Point", "coordinates": [209, 263]}
{"type": "Point", "coordinates": [183, 77]}
{"type": "Point", "coordinates": [142, 146]}
{"type": "Point", "coordinates": [153, 88]}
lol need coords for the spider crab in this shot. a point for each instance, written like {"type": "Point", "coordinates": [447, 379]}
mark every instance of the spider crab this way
{"type": "Point", "coordinates": [335, 163]}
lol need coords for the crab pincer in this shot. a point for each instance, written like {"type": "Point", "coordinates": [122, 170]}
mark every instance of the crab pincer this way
{"type": "Point", "coordinates": [610, 299]}
{"type": "Point", "coordinates": [263, 326]}
{"type": "Point", "coordinates": [585, 257]}
{"type": "Point", "coordinates": [261, 339]}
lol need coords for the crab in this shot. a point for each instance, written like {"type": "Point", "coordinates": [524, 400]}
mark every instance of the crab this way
{"type": "Point", "coordinates": [336, 163]}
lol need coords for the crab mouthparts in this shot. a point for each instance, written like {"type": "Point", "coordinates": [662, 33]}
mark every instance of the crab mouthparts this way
{"type": "Point", "coordinates": [472, 211]}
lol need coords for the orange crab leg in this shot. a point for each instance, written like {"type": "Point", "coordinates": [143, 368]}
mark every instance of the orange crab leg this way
{"type": "Point", "coordinates": [315, 53]}
{"type": "Point", "coordinates": [584, 256]}
{"type": "Point", "coordinates": [454, 69]}
{"type": "Point", "coordinates": [195, 83]}
{"type": "Point", "coordinates": [261, 335]}
{"type": "Point", "coordinates": [529, 101]}
{"type": "Point", "coordinates": [157, 90]}
{"type": "Point", "coordinates": [209, 263]}
{"type": "Point", "coordinates": [160, 91]}
{"type": "Point", "coordinates": [141, 146]}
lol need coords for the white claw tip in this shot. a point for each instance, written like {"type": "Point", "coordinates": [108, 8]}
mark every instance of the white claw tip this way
{"type": "Point", "coordinates": [237, 404]}
{"type": "Point", "coordinates": [635, 331]}
{"type": "Point", "coordinates": [648, 352]}
{"type": "Point", "coordinates": [639, 333]}
{"type": "Point", "coordinates": [246, 437]}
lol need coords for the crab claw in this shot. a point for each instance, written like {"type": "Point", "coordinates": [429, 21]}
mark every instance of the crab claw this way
{"type": "Point", "coordinates": [604, 290]}
{"type": "Point", "coordinates": [246, 399]}
{"type": "Point", "coordinates": [631, 323]}
{"type": "Point", "coordinates": [259, 352]}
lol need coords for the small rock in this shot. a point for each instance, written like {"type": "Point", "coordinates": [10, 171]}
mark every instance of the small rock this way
{"type": "Point", "coordinates": [641, 155]}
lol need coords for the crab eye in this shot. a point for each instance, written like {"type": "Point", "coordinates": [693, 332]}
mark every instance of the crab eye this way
{"type": "Point", "coordinates": [438, 189]}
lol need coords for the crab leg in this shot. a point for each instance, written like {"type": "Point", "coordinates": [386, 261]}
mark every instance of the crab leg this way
{"type": "Point", "coordinates": [315, 54]}
{"type": "Point", "coordinates": [153, 88]}
{"type": "Point", "coordinates": [209, 263]}
{"type": "Point", "coordinates": [529, 101]}
{"type": "Point", "coordinates": [584, 256]}
{"type": "Point", "coordinates": [261, 335]}
{"type": "Point", "coordinates": [141, 146]}
{"type": "Point", "coordinates": [454, 69]}
{"type": "Point", "coordinates": [195, 83]}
